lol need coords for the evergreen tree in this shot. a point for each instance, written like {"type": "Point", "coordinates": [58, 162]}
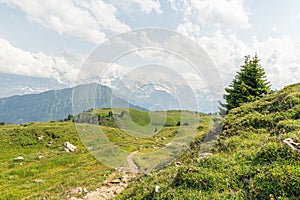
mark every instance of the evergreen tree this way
{"type": "Point", "coordinates": [248, 85]}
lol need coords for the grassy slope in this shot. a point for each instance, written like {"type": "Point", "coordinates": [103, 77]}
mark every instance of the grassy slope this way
{"type": "Point", "coordinates": [249, 162]}
{"type": "Point", "coordinates": [59, 170]}
{"type": "Point", "coordinates": [62, 171]}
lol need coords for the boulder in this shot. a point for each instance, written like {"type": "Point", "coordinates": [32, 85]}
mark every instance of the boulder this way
{"type": "Point", "coordinates": [292, 144]}
{"type": "Point", "coordinates": [204, 155]}
{"type": "Point", "coordinates": [40, 137]}
{"type": "Point", "coordinates": [116, 181]}
{"type": "Point", "coordinates": [156, 189]}
{"type": "Point", "coordinates": [18, 158]}
{"type": "Point", "coordinates": [68, 147]}
{"type": "Point", "coordinates": [191, 170]}
{"type": "Point", "coordinates": [38, 181]}
{"type": "Point", "coordinates": [78, 190]}
{"type": "Point", "coordinates": [177, 164]}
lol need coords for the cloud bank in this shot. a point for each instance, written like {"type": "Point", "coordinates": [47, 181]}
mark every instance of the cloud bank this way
{"type": "Point", "coordinates": [215, 25]}
{"type": "Point", "coordinates": [17, 61]}
{"type": "Point", "coordinates": [84, 19]}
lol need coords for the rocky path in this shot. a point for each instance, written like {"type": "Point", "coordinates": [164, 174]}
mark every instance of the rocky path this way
{"type": "Point", "coordinates": [113, 185]}
{"type": "Point", "coordinates": [132, 166]}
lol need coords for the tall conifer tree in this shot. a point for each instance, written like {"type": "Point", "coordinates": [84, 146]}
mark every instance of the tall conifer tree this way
{"type": "Point", "coordinates": [249, 84]}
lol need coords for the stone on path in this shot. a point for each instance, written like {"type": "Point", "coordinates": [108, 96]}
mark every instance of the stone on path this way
{"type": "Point", "coordinates": [68, 147]}
{"type": "Point", "coordinates": [19, 158]}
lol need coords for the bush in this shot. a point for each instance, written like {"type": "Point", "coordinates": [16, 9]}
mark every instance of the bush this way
{"type": "Point", "coordinates": [201, 178]}
{"type": "Point", "coordinates": [288, 126]}
{"type": "Point", "coordinates": [281, 182]}
{"type": "Point", "coordinates": [275, 152]}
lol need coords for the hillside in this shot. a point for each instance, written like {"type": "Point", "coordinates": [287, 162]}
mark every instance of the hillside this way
{"type": "Point", "coordinates": [47, 172]}
{"type": "Point", "coordinates": [250, 160]}
{"type": "Point", "coordinates": [55, 104]}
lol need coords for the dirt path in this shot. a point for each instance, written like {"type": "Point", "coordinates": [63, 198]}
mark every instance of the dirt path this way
{"type": "Point", "coordinates": [113, 185]}
{"type": "Point", "coordinates": [132, 166]}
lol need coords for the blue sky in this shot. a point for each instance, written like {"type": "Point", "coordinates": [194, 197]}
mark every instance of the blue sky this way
{"type": "Point", "coordinates": [52, 38]}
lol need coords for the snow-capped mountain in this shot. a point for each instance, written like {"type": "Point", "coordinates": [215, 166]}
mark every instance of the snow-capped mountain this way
{"type": "Point", "coordinates": [19, 85]}
{"type": "Point", "coordinates": [152, 92]}
{"type": "Point", "coordinates": [160, 93]}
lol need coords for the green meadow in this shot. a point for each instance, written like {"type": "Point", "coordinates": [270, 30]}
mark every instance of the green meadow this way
{"type": "Point", "coordinates": [60, 171]}
{"type": "Point", "coordinates": [248, 160]}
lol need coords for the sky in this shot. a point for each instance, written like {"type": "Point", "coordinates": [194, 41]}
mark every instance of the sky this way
{"type": "Point", "coordinates": [52, 38]}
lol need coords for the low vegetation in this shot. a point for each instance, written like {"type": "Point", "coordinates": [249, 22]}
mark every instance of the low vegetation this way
{"type": "Point", "coordinates": [48, 172]}
{"type": "Point", "coordinates": [250, 160]}
{"type": "Point", "coordinates": [58, 171]}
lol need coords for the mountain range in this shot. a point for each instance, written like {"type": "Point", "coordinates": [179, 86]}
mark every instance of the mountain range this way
{"type": "Point", "coordinates": [58, 104]}
{"type": "Point", "coordinates": [11, 84]}
{"type": "Point", "coordinates": [45, 99]}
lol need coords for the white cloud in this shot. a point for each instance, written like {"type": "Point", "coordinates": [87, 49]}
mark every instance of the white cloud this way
{"type": "Point", "coordinates": [212, 24]}
{"type": "Point", "coordinates": [84, 19]}
{"type": "Point", "coordinates": [148, 6]}
{"type": "Point", "coordinates": [280, 57]}
{"type": "Point", "coordinates": [132, 7]}
{"type": "Point", "coordinates": [274, 28]}
{"type": "Point", "coordinates": [105, 14]}
{"type": "Point", "coordinates": [17, 61]}
{"type": "Point", "coordinates": [296, 17]}
{"type": "Point", "coordinates": [187, 28]}
{"type": "Point", "coordinates": [224, 14]}
{"type": "Point", "coordinates": [227, 52]}
{"type": "Point", "coordinates": [194, 81]}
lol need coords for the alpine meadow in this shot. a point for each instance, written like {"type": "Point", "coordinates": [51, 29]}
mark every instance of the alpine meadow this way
{"type": "Point", "coordinates": [149, 99]}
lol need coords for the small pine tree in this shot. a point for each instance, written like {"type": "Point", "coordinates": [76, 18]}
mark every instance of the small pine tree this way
{"type": "Point", "coordinates": [70, 117]}
{"type": "Point", "coordinates": [248, 85]}
{"type": "Point", "coordinates": [110, 114]}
